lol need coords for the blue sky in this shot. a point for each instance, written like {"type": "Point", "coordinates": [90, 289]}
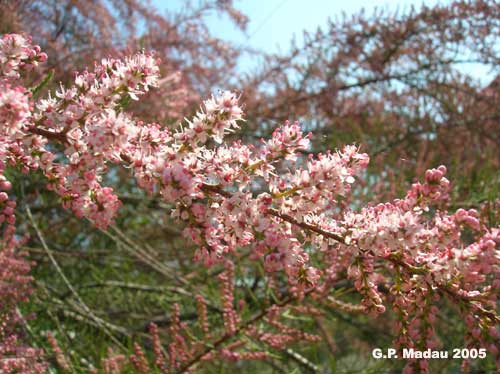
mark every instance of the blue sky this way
{"type": "Point", "coordinates": [273, 23]}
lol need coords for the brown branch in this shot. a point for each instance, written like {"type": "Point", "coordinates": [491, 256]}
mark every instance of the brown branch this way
{"type": "Point", "coordinates": [320, 323]}
{"type": "Point", "coordinates": [290, 219]}
{"type": "Point", "coordinates": [218, 342]}
{"type": "Point", "coordinates": [216, 188]}
{"type": "Point", "coordinates": [58, 136]}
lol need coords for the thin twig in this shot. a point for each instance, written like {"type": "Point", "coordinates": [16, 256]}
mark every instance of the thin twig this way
{"type": "Point", "coordinates": [97, 320]}
{"type": "Point", "coordinates": [301, 360]}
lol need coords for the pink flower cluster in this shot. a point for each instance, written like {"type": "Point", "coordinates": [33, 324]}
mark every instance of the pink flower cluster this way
{"type": "Point", "coordinates": [15, 288]}
{"type": "Point", "coordinates": [230, 317]}
{"type": "Point", "coordinates": [88, 120]}
{"type": "Point", "coordinates": [220, 116]}
{"type": "Point", "coordinates": [18, 54]}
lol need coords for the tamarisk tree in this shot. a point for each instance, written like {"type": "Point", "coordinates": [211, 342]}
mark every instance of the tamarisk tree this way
{"type": "Point", "coordinates": [274, 201]}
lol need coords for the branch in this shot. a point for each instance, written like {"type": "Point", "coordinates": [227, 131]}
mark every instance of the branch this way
{"type": "Point", "coordinates": [58, 136]}
{"type": "Point", "coordinates": [86, 309]}
{"type": "Point", "coordinates": [217, 343]}
{"type": "Point", "coordinates": [306, 226]}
